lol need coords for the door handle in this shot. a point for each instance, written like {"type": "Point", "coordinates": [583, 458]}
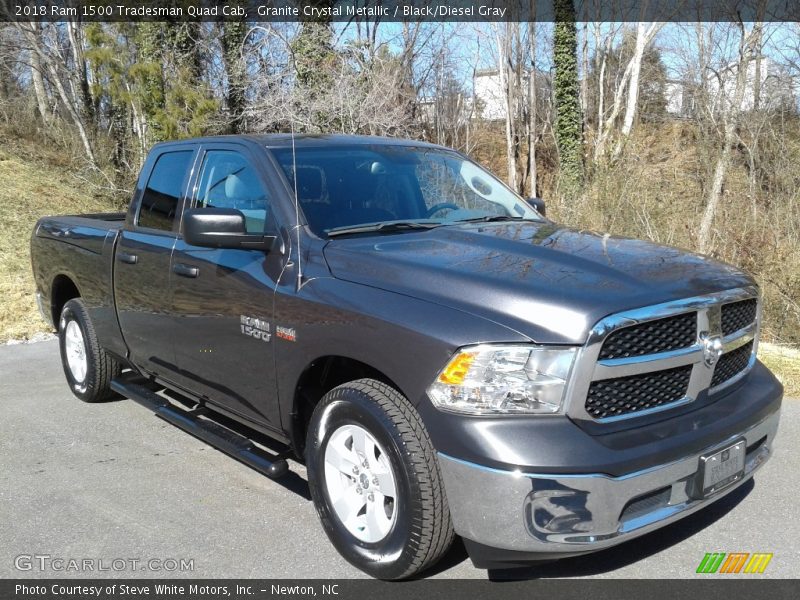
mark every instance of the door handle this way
{"type": "Point", "coordinates": [185, 270]}
{"type": "Point", "coordinates": [130, 259]}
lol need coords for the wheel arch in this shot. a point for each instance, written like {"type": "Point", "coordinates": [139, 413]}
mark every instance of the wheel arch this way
{"type": "Point", "coordinates": [319, 377]}
{"type": "Point", "coordinates": [62, 290]}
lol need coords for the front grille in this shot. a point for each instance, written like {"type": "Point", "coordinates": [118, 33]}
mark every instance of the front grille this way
{"type": "Point", "coordinates": [738, 315]}
{"type": "Point", "coordinates": [650, 337]}
{"type": "Point", "coordinates": [625, 395]}
{"type": "Point", "coordinates": [731, 364]}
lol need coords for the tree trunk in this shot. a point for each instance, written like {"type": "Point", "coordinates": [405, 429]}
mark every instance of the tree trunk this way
{"type": "Point", "coordinates": [532, 106]}
{"type": "Point", "coordinates": [757, 76]}
{"type": "Point", "coordinates": [633, 84]}
{"type": "Point", "coordinates": [730, 112]}
{"type": "Point", "coordinates": [643, 38]}
{"type": "Point", "coordinates": [585, 78]}
{"type": "Point", "coordinates": [504, 46]}
{"type": "Point", "coordinates": [233, 36]}
{"type": "Point", "coordinates": [36, 76]}
{"type": "Point", "coordinates": [79, 74]}
{"type": "Point", "coordinates": [602, 59]}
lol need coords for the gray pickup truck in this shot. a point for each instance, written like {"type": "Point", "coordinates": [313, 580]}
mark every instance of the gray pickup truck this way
{"type": "Point", "coordinates": [443, 358]}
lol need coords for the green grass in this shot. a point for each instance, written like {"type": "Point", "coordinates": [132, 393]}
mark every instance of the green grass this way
{"type": "Point", "coordinates": [34, 182]}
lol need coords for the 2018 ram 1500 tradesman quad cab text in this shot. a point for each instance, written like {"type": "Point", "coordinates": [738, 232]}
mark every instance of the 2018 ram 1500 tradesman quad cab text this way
{"type": "Point", "coordinates": [443, 358]}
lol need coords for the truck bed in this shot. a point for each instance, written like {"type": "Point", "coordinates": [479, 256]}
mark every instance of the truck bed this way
{"type": "Point", "coordinates": [78, 249]}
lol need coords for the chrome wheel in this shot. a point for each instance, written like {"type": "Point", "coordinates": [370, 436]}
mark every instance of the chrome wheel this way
{"type": "Point", "coordinates": [360, 483]}
{"type": "Point", "coordinates": [75, 349]}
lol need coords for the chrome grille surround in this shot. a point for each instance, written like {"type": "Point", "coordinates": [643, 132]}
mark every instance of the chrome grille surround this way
{"type": "Point", "coordinates": [589, 367]}
{"type": "Point", "coordinates": [651, 337]}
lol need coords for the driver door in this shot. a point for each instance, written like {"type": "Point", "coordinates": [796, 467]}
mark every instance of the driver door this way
{"type": "Point", "coordinates": [223, 298]}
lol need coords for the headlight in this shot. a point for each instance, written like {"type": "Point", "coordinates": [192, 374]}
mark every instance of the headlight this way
{"type": "Point", "coordinates": [504, 379]}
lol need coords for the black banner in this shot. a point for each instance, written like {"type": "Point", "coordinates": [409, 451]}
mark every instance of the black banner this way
{"type": "Point", "coordinates": [396, 10]}
{"type": "Point", "coordinates": [715, 588]}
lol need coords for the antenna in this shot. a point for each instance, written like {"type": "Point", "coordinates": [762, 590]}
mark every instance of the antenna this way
{"type": "Point", "coordinates": [296, 213]}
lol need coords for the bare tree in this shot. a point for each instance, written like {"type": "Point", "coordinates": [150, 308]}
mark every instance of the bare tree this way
{"type": "Point", "coordinates": [52, 58]}
{"type": "Point", "coordinates": [626, 93]}
{"type": "Point", "coordinates": [729, 112]}
{"type": "Point", "coordinates": [37, 79]}
{"type": "Point", "coordinates": [531, 112]}
{"type": "Point", "coordinates": [360, 96]}
{"type": "Point", "coordinates": [644, 36]}
{"type": "Point", "coordinates": [506, 45]}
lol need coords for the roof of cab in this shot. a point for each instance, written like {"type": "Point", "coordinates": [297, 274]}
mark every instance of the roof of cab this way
{"type": "Point", "coordinates": [284, 140]}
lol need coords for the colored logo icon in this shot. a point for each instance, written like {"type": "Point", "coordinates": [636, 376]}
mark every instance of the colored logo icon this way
{"type": "Point", "coordinates": [734, 562]}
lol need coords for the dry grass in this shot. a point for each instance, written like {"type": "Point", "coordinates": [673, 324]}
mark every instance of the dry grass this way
{"type": "Point", "coordinates": [34, 182]}
{"type": "Point", "coordinates": [785, 363]}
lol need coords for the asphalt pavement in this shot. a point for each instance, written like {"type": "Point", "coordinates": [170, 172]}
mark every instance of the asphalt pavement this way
{"type": "Point", "coordinates": [113, 484]}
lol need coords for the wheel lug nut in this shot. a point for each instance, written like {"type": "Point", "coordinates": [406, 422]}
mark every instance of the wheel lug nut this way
{"type": "Point", "coordinates": [358, 490]}
{"type": "Point", "coordinates": [374, 481]}
{"type": "Point", "coordinates": [355, 470]}
{"type": "Point", "coordinates": [371, 497]}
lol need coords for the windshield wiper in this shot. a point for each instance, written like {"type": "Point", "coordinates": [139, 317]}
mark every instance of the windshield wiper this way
{"type": "Point", "coordinates": [490, 218]}
{"type": "Point", "coordinates": [383, 227]}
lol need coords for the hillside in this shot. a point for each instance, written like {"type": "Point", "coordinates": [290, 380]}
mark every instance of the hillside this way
{"type": "Point", "coordinates": [34, 182]}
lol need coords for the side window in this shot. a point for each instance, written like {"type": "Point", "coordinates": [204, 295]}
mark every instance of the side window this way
{"type": "Point", "coordinates": [163, 191]}
{"type": "Point", "coordinates": [228, 180]}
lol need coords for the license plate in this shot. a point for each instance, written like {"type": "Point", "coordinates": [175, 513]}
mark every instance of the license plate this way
{"type": "Point", "coordinates": [723, 468]}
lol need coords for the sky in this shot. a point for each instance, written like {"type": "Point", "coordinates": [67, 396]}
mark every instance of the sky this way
{"type": "Point", "coordinates": [474, 44]}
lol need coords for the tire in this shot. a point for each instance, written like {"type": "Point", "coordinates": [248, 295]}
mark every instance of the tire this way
{"type": "Point", "coordinates": [88, 368]}
{"type": "Point", "coordinates": [415, 522]}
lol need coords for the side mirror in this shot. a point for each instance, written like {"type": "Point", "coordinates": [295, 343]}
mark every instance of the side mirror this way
{"type": "Point", "coordinates": [222, 228]}
{"type": "Point", "coordinates": [538, 205]}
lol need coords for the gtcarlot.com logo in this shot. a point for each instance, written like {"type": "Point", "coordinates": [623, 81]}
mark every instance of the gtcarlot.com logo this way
{"type": "Point", "coordinates": [733, 563]}
{"type": "Point", "coordinates": [46, 562]}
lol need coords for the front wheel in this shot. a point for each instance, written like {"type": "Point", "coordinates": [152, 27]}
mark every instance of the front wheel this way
{"type": "Point", "coordinates": [88, 368]}
{"type": "Point", "coordinates": [376, 482]}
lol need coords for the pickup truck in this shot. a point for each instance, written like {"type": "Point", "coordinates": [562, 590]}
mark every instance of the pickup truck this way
{"type": "Point", "coordinates": [443, 358]}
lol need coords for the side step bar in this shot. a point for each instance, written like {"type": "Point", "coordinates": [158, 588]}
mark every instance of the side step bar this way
{"type": "Point", "coordinates": [235, 445]}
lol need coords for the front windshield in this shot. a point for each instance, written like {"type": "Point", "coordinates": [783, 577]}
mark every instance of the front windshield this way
{"type": "Point", "coordinates": [345, 186]}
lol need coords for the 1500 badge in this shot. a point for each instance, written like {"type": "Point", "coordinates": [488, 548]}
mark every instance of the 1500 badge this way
{"type": "Point", "coordinates": [254, 327]}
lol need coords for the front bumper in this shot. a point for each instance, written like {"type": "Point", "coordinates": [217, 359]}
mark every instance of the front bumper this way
{"type": "Point", "coordinates": [555, 514]}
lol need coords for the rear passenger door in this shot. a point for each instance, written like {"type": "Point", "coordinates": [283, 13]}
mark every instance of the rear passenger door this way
{"type": "Point", "coordinates": [223, 298]}
{"type": "Point", "coordinates": [142, 260]}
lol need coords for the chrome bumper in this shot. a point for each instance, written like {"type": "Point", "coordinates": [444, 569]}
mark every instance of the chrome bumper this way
{"type": "Point", "coordinates": [552, 513]}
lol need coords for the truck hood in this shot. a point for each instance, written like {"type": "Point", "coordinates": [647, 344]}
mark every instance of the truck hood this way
{"type": "Point", "coordinates": [547, 282]}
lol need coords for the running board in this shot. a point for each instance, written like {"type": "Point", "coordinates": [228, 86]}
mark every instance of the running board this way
{"type": "Point", "coordinates": [231, 443]}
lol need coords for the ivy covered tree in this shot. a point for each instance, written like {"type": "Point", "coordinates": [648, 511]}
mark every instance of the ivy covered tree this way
{"type": "Point", "coordinates": [568, 129]}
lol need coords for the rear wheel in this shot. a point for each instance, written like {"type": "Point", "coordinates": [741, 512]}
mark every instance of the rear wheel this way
{"type": "Point", "coordinates": [88, 368]}
{"type": "Point", "coordinates": [375, 481]}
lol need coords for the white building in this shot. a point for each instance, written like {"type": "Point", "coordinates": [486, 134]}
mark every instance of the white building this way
{"type": "Point", "coordinates": [777, 90]}
{"type": "Point", "coordinates": [489, 95]}
{"type": "Point", "coordinates": [766, 81]}
{"type": "Point", "coordinates": [774, 87]}
{"type": "Point", "coordinates": [487, 87]}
